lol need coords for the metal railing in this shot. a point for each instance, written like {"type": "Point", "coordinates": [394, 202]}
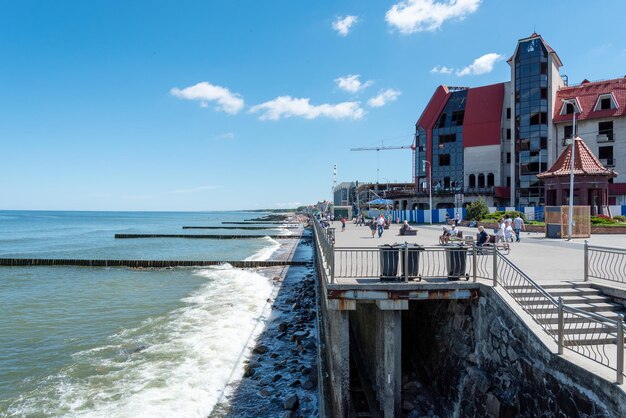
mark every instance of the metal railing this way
{"type": "Point", "coordinates": [591, 335]}
{"type": "Point", "coordinates": [432, 262]}
{"type": "Point", "coordinates": [605, 263]}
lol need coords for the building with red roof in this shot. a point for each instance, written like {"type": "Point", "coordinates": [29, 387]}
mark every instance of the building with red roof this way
{"type": "Point", "coordinates": [492, 142]}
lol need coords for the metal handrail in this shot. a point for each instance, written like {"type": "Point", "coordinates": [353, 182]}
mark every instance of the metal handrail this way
{"type": "Point", "coordinates": [604, 263]}
{"type": "Point", "coordinates": [585, 333]}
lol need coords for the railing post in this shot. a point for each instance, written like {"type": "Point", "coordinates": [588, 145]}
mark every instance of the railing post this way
{"type": "Point", "coordinates": [561, 329]}
{"type": "Point", "coordinates": [406, 262]}
{"type": "Point", "coordinates": [474, 260]}
{"type": "Point", "coordinates": [620, 349]}
{"type": "Point", "coordinates": [495, 266]}
{"type": "Point", "coordinates": [586, 261]}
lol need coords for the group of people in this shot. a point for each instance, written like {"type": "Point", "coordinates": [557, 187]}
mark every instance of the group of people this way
{"type": "Point", "coordinates": [449, 234]}
{"type": "Point", "coordinates": [508, 229]}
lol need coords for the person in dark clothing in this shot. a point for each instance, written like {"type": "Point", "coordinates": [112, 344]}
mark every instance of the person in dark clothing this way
{"type": "Point", "coordinates": [483, 238]}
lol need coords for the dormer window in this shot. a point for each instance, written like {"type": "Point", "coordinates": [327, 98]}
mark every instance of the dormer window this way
{"type": "Point", "coordinates": [605, 102]}
{"type": "Point", "coordinates": [569, 107]}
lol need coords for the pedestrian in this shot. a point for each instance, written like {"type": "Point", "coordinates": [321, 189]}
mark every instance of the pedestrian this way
{"type": "Point", "coordinates": [447, 218]}
{"type": "Point", "coordinates": [381, 225]}
{"type": "Point", "coordinates": [457, 219]}
{"type": "Point", "coordinates": [483, 238]}
{"type": "Point", "coordinates": [501, 230]}
{"type": "Point", "coordinates": [518, 225]}
{"type": "Point", "coordinates": [373, 227]}
{"type": "Point", "coordinates": [343, 224]}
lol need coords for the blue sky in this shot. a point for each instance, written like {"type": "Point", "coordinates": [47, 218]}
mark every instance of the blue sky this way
{"type": "Point", "coordinates": [207, 105]}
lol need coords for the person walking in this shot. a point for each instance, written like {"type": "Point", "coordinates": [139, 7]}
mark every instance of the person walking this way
{"type": "Point", "coordinates": [500, 234]}
{"type": "Point", "coordinates": [381, 225]}
{"type": "Point", "coordinates": [457, 219]}
{"type": "Point", "coordinates": [343, 224]}
{"type": "Point", "coordinates": [518, 225]}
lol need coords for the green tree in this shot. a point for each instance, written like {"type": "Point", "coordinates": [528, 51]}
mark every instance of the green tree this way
{"type": "Point", "coordinates": [477, 210]}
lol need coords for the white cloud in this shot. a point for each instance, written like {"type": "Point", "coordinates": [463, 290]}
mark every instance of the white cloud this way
{"type": "Point", "coordinates": [481, 65]}
{"type": "Point", "coordinates": [227, 101]}
{"type": "Point", "coordinates": [287, 205]}
{"type": "Point", "coordinates": [383, 98]}
{"type": "Point", "coordinates": [411, 16]}
{"type": "Point", "coordinates": [193, 190]}
{"type": "Point", "coordinates": [352, 84]}
{"type": "Point", "coordinates": [343, 24]}
{"type": "Point", "coordinates": [441, 69]}
{"type": "Point", "coordinates": [287, 106]}
{"type": "Point", "coordinates": [227, 135]}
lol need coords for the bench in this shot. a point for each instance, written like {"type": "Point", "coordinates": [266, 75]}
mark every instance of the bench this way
{"type": "Point", "coordinates": [502, 246]}
{"type": "Point", "coordinates": [408, 231]}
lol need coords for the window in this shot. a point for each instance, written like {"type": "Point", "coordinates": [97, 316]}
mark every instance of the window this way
{"type": "Point", "coordinates": [472, 181]}
{"type": "Point", "coordinates": [444, 159]}
{"type": "Point", "coordinates": [444, 139]}
{"type": "Point", "coordinates": [457, 117]}
{"type": "Point", "coordinates": [544, 93]}
{"type": "Point", "coordinates": [569, 108]}
{"type": "Point", "coordinates": [605, 154]}
{"type": "Point", "coordinates": [508, 158]}
{"type": "Point", "coordinates": [508, 113]}
{"type": "Point", "coordinates": [567, 132]}
{"type": "Point", "coordinates": [490, 180]}
{"type": "Point", "coordinates": [538, 118]}
{"type": "Point", "coordinates": [544, 68]}
{"type": "Point", "coordinates": [606, 128]}
{"type": "Point", "coordinates": [605, 101]}
{"type": "Point", "coordinates": [481, 180]}
{"type": "Point", "coordinates": [508, 181]}
{"type": "Point", "coordinates": [508, 133]}
{"type": "Point", "coordinates": [442, 121]}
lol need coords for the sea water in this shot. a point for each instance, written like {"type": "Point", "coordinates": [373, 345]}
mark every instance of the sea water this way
{"type": "Point", "coordinates": [78, 341]}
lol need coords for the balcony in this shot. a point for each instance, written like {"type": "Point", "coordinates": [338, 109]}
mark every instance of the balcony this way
{"type": "Point", "coordinates": [608, 162]}
{"type": "Point", "coordinates": [480, 190]}
{"type": "Point", "coordinates": [605, 137]}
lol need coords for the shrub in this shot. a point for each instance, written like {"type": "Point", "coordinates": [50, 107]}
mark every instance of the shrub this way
{"type": "Point", "coordinates": [477, 210]}
{"type": "Point", "coordinates": [620, 218]}
{"type": "Point", "coordinates": [602, 220]}
{"type": "Point", "coordinates": [497, 215]}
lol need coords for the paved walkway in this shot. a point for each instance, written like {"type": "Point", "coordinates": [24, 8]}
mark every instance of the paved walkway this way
{"type": "Point", "coordinates": [542, 259]}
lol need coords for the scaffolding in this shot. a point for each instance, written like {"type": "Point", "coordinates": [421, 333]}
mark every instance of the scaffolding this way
{"type": "Point", "coordinates": [557, 220]}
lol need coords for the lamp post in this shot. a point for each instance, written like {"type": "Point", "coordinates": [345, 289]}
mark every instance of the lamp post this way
{"type": "Point", "coordinates": [430, 189]}
{"type": "Point", "coordinates": [570, 217]}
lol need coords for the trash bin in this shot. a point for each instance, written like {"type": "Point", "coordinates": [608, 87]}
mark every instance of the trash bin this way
{"type": "Point", "coordinates": [410, 266]}
{"type": "Point", "coordinates": [389, 262]}
{"type": "Point", "coordinates": [456, 261]}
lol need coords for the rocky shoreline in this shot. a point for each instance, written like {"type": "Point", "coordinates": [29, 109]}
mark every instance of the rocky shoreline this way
{"type": "Point", "coordinates": [280, 374]}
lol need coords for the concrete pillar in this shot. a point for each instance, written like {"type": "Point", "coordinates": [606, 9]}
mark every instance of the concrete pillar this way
{"type": "Point", "coordinates": [391, 364]}
{"type": "Point", "coordinates": [338, 351]}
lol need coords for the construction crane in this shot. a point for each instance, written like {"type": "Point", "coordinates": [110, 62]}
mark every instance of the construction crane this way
{"type": "Point", "coordinates": [384, 148]}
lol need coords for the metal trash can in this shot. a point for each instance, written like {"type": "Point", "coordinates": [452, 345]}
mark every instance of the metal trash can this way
{"type": "Point", "coordinates": [456, 261]}
{"type": "Point", "coordinates": [389, 262]}
{"type": "Point", "coordinates": [410, 261]}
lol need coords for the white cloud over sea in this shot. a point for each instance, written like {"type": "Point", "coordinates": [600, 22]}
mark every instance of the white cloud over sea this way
{"type": "Point", "coordinates": [343, 24]}
{"type": "Point", "coordinates": [412, 16]}
{"type": "Point", "coordinates": [228, 102]}
{"type": "Point", "coordinates": [384, 97]}
{"type": "Point", "coordinates": [352, 83]}
{"type": "Point", "coordinates": [286, 106]}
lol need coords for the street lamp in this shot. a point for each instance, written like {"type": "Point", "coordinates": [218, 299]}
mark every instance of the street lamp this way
{"type": "Point", "coordinates": [570, 217]}
{"type": "Point", "coordinates": [430, 189]}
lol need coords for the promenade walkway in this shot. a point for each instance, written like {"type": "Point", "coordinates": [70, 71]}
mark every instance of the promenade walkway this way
{"type": "Point", "coordinates": [544, 260]}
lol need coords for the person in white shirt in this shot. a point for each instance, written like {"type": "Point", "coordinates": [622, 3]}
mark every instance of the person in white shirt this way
{"type": "Point", "coordinates": [381, 225]}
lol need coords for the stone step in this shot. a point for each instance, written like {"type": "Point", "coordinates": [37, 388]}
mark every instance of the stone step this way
{"type": "Point", "coordinates": [554, 318]}
{"type": "Point", "coordinates": [568, 285]}
{"type": "Point", "coordinates": [581, 330]}
{"type": "Point", "coordinates": [572, 342]}
{"type": "Point", "coordinates": [600, 308]}
{"type": "Point", "coordinates": [559, 292]}
{"type": "Point", "coordinates": [568, 300]}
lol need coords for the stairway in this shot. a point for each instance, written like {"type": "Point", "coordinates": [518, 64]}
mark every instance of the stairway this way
{"type": "Point", "coordinates": [578, 331]}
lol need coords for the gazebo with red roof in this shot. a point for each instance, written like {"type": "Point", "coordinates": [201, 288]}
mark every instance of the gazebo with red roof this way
{"type": "Point", "coordinates": [591, 179]}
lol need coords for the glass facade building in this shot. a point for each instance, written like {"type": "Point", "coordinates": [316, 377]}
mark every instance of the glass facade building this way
{"type": "Point", "coordinates": [531, 120]}
{"type": "Point", "coordinates": [447, 143]}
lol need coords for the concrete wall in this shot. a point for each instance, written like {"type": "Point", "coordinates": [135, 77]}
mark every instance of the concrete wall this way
{"type": "Point", "coordinates": [480, 359]}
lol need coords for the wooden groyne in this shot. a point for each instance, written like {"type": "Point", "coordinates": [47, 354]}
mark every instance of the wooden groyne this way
{"type": "Point", "coordinates": [198, 236]}
{"type": "Point", "coordinates": [24, 262]}
{"type": "Point", "coordinates": [259, 222]}
{"type": "Point", "coordinates": [239, 227]}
